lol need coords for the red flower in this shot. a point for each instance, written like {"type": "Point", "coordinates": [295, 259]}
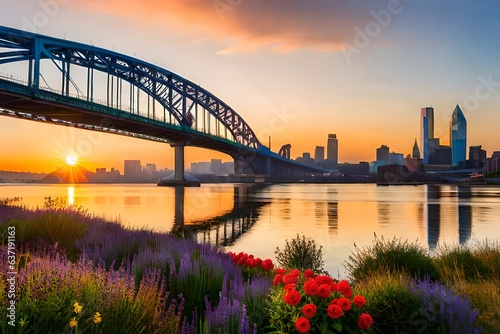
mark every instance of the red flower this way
{"type": "Point", "coordinates": [344, 303]}
{"type": "Point", "coordinates": [324, 291]}
{"type": "Point", "coordinates": [309, 273]}
{"type": "Point", "coordinates": [345, 288]}
{"type": "Point", "coordinates": [359, 301]}
{"type": "Point", "coordinates": [324, 279]}
{"type": "Point", "coordinates": [256, 262]}
{"type": "Point", "coordinates": [290, 278]}
{"type": "Point", "coordinates": [309, 310]}
{"type": "Point", "coordinates": [334, 311]}
{"type": "Point", "coordinates": [267, 264]}
{"type": "Point", "coordinates": [289, 287]}
{"type": "Point", "coordinates": [295, 272]}
{"type": "Point", "coordinates": [302, 325]}
{"type": "Point", "coordinates": [280, 271]}
{"type": "Point", "coordinates": [310, 287]}
{"type": "Point", "coordinates": [365, 321]}
{"type": "Point", "coordinates": [292, 297]}
{"type": "Point", "coordinates": [334, 301]}
{"type": "Point", "coordinates": [248, 262]}
{"type": "Point", "coordinates": [278, 279]}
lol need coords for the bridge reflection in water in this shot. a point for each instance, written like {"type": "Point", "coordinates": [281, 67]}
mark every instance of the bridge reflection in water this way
{"type": "Point", "coordinates": [224, 229]}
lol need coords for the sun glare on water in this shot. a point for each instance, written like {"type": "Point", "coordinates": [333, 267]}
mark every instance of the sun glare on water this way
{"type": "Point", "coordinates": [71, 160]}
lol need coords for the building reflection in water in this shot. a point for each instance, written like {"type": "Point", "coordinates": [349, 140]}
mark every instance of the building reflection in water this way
{"type": "Point", "coordinates": [464, 214]}
{"type": "Point", "coordinates": [224, 229]}
{"type": "Point", "coordinates": [464, 218]}
{"type": "Point", "coordinates": [332, 211]}
{"type": "Point", "coordinates": [433, 215]}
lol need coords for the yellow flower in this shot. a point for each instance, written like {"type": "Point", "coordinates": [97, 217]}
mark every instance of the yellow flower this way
{"type": "Point", "coordinates": [97, 318]}
{"type": "Point", "coordinates": [78, 307]}
{"type": "Point", "coordinates": [73, 323]}
{"type": "Point", "coordinates": [23, 322]}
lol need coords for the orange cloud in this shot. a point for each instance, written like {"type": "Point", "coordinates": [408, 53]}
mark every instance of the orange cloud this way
{"type": "Point", "coordinates": [249, 25]}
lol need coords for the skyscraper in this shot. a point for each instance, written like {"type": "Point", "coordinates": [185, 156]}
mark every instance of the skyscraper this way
{"type": "Point", "coordinates": [427, 132]}
{"type": "Point", "coordinates": [319, 155]}
{"type": "Point", "coordinates": [332, 151]}
{"type": "Point", "coordinates": [415, 152]}
{"type": "Point", "coordinates": [458, 136]}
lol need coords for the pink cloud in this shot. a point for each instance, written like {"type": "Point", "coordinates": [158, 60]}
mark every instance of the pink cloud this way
{"type": "Point", "coordinates": [249, 25]}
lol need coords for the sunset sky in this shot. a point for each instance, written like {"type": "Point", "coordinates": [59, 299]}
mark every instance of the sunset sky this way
{"type": "Point", "coordinates": [294, 69]}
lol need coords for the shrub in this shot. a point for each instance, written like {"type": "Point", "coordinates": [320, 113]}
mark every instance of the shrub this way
{"type": "Point", "coordinates": [301, 253]}
{"type": "Point", "coordinates": [393, 256]}
{"type": "Point", "coordinates": [393, 307]}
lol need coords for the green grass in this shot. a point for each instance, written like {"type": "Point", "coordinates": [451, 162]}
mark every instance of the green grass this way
{"type": "Point", "coordinates": [395, 256]}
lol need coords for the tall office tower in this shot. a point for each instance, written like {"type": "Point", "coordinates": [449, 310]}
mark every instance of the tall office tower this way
{"type": "Point", "coordinates": [332, 151]}
{"type": "Point", "coordinates": [458, 136]}
{"type": "Point", "coordinates": [415, 152]}
{"type": "Point", "coordinates": [427, 132]}
{"type": "Point", "coordinates": [383, 157]}
{"type": "Point", "coordinates": [319, 155]}
{"type": "Point", "coordinates": [132, 170]}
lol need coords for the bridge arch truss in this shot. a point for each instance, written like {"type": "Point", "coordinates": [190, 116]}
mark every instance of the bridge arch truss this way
{"type": "Point", "coordinates": [185, 102]}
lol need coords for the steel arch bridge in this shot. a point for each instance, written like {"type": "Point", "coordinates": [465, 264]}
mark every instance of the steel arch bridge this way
{"type": "Point", "coordinates": [162, 106]}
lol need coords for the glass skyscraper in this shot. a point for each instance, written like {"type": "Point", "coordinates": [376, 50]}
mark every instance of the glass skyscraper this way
{"type": "Point", "coordinates": [458, 136]}
{"type": "Point", "coordinates": [427, 132]}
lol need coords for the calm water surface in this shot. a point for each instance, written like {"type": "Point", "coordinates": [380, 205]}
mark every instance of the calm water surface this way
{"type": "Point", "coordinates": [243, 218]}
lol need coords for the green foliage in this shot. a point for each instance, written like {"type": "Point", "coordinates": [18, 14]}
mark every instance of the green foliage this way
{"type": "Point", "coordinates": [391, 256]}
{"type": "Point", "coordinates": [393, 307]}
{"type": "Point", "coordinates": [301, 253]}
{"type": "Point", "coordinates": [474, 271]}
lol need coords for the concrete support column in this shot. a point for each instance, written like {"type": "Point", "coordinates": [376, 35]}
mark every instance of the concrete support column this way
{"type": "Point", "coordinates": [179, 161]}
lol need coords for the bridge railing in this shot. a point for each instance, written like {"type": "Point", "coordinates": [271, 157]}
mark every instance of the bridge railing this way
{"type": "Point", "coordinates": [81, 97]}
{"type": "Point", "coordinates": [24, 82]}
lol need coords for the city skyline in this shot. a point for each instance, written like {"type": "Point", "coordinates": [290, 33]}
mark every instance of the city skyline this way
{"type": "Point", "coordinates": [356, 70]}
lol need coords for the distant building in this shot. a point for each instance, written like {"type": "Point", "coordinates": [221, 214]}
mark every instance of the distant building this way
{"type": "Point", "coordinates": [396, 159]}
{"type": "Point", "coordinates": [383, 157]}
{"type": "Point", "coordinates": [458, 136]}
{"type": "Point", "coordinates": [132, 170]}
{"type": "Point", "coordinates": [200, 168]}
{"type": "Point", "coordinates": [413, 164]}
{"type": "Point", "coordinates": [306, 159]}
{"type": "Point", "coordinates": [216, 167]}
{"type": "Point", "coordinates": [363, 168]}
{"type": "Point", "coordinates": [228, 167]}
{"type": "Point", "coordinates": [426, 131]}
{"type": "Point", "coordinates": [492, 164]}
{"type": "Point", "coordinates": [441, 156]}
{"type": "Point", "coordinates": [332, 151]}
{"type": "Point", "coordinates": [415, 152]}
{"type": "Point", "coordinates": [319, 155]}
{"type": "Point", "coordinates": [476, 156]}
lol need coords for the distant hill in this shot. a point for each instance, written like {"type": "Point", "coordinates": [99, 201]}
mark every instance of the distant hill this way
{"type": "Point", "coordinates": [69, 174]}
{"type": "Point", "coordinates": [15, 177]}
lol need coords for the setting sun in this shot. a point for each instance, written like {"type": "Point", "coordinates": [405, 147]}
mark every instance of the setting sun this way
{"type": "Point", "coordinates": [71, 160]}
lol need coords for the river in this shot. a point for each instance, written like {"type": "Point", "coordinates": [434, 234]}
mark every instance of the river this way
{"type": "Point", "coordinates": [259, 219]}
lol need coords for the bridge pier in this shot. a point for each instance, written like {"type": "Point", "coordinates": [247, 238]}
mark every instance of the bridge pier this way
{"type": "Point", "coordinates": [179, 178]}
{"type": "Point", "coordinates": [179, 161]}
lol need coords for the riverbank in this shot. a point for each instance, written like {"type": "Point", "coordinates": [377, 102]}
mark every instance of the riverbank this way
{"type": "Point", "coordinates": [159, 280]}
